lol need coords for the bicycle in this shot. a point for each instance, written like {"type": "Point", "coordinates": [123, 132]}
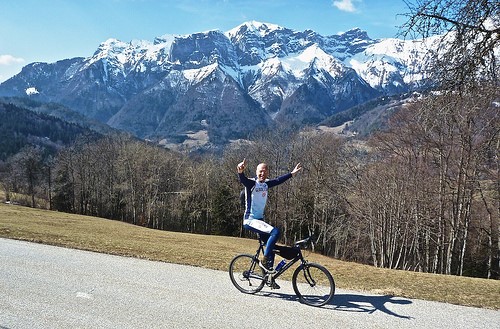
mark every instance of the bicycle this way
{"type": "Point", "coordinates": [313, 284]}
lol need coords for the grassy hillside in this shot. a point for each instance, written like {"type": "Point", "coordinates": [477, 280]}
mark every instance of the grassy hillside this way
{"type": "Point", "coordinates": [95, 234]}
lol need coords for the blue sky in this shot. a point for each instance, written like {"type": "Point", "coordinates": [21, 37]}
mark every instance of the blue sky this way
{"type": "Point", "coordinates": [47, 31]}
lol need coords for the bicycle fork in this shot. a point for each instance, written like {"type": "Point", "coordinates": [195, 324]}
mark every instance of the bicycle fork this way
{"type": "Point", "coordinates": [308, 276]}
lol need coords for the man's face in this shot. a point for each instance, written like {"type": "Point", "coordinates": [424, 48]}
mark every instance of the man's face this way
{"type": "Point", "coordinates": [262, 172]}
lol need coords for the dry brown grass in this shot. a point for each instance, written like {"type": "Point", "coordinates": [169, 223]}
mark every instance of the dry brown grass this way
{"type": "Point", "coordinates": [113, 237]}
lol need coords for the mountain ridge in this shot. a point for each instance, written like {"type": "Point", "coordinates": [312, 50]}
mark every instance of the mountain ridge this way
{"type": "Point", "coordinates": [228, 84]}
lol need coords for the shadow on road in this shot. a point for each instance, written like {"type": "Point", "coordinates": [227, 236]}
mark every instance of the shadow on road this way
{"type": "Point", "coordinates": [355, 303]}
{"type": "Point", "coordinates": [368, 304]}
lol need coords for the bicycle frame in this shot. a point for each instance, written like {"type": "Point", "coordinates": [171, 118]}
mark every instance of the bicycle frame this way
{"type": "Point", "coordinates": [290, 263]}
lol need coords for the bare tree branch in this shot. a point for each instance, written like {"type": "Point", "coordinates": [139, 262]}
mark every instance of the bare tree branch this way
{"type": "Point", "coordinates": [469, 33]}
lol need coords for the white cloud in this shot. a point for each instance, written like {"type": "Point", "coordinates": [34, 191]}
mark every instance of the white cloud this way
{"type": "Point", "coordinates": [9, 66]}
{"type": "Point", "coordinates": [10, 60]}
{"type": "Point", "coordinates": [345, 5]}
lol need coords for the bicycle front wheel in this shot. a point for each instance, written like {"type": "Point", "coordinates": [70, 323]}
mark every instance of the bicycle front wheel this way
{"type": "Point", "coordinates": [246, 275]}
{"type": "Point", "coordinates": [313, 284]}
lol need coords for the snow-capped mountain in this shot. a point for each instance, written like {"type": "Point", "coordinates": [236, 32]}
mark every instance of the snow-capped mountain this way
{"type": "Point", "coordinates": [224, 85]}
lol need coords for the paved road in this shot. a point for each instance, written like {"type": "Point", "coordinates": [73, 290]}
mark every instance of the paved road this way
{"type": "Point", "coordinates": [50, 287]}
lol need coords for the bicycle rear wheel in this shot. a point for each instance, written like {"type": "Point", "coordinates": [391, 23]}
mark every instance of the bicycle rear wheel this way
{"type": "Point", "coordinates": [246, 275]}
{"type": "Point", "coordinates": [313, 284]}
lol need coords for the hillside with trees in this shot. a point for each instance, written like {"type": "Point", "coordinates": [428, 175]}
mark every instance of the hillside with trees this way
{"type": "Point", "coordinates": [20, 127]}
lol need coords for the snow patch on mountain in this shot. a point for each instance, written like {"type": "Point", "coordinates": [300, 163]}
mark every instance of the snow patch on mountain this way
{"type": "Point", "coordinates": [271, 67]}
{"type": "Point", "coordinates": [120, 58]}
{"type": "Point", "coordinates": [321, 60]}
{"type": "Point", "coordinates": [381, 62]}
{"type": "Point", "coordinates": [196, 75]}
{"type": "Point", "coordinates": [254, 27]}
{"type": "Point", "coordinates": [31, 91]}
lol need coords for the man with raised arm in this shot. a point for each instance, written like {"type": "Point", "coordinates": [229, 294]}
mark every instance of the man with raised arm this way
{"type": "Point", "coordinates": [255, 203]}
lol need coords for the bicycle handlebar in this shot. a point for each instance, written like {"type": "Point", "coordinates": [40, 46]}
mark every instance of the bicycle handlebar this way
{"type": "Point", "coordinates": [305, 241]}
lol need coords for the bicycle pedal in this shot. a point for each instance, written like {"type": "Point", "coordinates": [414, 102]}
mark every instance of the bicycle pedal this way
{"type": "Point", "coordinates": [273, 285]}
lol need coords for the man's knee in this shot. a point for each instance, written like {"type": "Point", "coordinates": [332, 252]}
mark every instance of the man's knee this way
{"type": "Point", "coordinates": [275, 232]}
